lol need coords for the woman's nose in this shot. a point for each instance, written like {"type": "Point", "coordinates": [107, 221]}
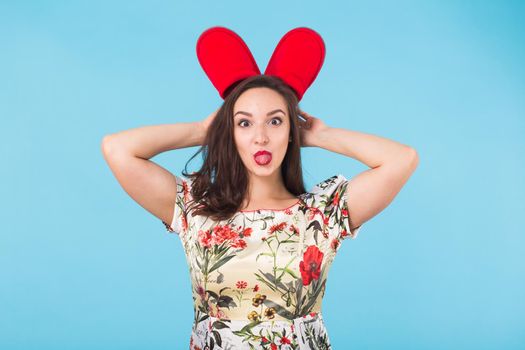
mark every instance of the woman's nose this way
{"type": "Point", "coordinates": [261, 135]}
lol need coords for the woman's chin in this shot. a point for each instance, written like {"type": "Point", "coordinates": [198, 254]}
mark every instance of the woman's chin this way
{"type": "Point", "coordinates": [263, 170]}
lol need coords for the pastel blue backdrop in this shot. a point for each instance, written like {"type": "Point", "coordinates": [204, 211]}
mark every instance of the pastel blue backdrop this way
{"type": "Point", "coordinates": [82, 266]}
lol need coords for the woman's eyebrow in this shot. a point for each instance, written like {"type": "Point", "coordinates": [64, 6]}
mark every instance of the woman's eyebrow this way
{"type": "Point", "coordinates": [268, 114]}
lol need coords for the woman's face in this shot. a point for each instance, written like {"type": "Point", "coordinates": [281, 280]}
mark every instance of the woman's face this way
{"type": "Point", "coordinates": [261, 122]}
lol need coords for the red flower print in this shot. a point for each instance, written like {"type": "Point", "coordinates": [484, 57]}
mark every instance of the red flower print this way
{"type": "Point", "coordinates": [294, 229]}
{"type": "Point", "coordinates": [247, 232]}
{"type": "Point", "coordinates": [278, 227]}
{"type": "Point", "coordinates": [285, 340]}
{"type": "Point", "coordinates": [264, 341]}
{"type": "Point", "coordinates": [220, 234]}
{"type": "Point", "coordinates": [256, 288]}
{"type": "Point", "coordinates": [184, 223]}
{"type": "Point", "coordinates": [311, 265]}
{"type": "Point", "coordinates": [223, 233]}
{"type": "Point", "coordinates": [201, 292]}
{"type": "Point", "coordinates": [273, 346]}
{"type": "Point", "coordinates": [240, 243]}
{"type": "Point", "coordinates": [185, 190]}
{"type": "Point", "coordinates": [334, 244]}
{"type": "Point", "coordinates": [336, 199]}
{"type": "Point", "coordinates": [220, 314]}
{"type": "Point", "coordinates": [344, 233]}
{"type": "Point", "coordinates": [205, 238]}
{"type": "Point", "coordinates": [241, 284]}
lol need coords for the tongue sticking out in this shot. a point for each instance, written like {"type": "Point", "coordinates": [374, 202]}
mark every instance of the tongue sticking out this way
{"type": "Point", "coordinates": [263, 159]}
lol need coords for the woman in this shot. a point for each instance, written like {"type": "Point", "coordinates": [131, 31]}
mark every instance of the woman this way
{"type": "Point", "coordinates": [258, 245]}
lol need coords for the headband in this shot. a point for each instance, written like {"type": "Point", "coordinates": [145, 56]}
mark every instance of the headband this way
{"type": "Point", "coordinates": [227, 60]}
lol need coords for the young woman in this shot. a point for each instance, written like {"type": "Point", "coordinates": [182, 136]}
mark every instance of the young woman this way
{"type": "Point", "coordinates": [258, 245]}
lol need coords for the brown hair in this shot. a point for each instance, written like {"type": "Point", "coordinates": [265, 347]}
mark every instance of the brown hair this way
{"type": "Point", "coordinates": [220, 186]}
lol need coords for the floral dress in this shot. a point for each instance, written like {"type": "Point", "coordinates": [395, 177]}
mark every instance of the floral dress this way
{"type": "Point", "coordinates": [258, 278]}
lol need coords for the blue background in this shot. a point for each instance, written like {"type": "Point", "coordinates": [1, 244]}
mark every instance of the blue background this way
{"type": "Point", "coordinates": [83, 266]}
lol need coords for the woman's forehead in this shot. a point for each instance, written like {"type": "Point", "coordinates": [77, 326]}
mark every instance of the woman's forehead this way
{"type": "Point", "coordinates": [260, 103]}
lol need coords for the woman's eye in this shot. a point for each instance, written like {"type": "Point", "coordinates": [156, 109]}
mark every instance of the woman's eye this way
{"type": "Point", "coordinates": [279, 119]}
{"type": "Point", "coordinates": [276, 118]}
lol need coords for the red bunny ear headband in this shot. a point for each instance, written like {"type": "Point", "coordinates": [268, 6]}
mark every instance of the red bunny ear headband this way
{"type": "Point", "coordinates": [226, 59]}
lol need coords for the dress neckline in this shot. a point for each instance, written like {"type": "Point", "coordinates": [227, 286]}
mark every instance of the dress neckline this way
{"type": "Point", "coordinates": [298, 202]}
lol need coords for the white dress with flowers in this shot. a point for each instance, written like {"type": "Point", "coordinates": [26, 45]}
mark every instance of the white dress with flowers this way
{"type": "Point", "coordinates": [258, 279]}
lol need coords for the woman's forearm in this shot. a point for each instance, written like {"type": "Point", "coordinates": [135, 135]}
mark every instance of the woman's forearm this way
{"type": "Point", "coordinates": [369, 149]}
{"type": "Point", "coordinates": [148, 141]}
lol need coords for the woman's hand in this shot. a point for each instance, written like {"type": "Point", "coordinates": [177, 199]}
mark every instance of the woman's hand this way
{"type": "Point", "coordinates": [310, 129]}
{"type": "Point", "coordinates": [209, 119]}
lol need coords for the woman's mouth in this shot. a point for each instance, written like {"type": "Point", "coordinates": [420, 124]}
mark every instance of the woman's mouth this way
{"type": "Point", "coordinates": [262, 158]}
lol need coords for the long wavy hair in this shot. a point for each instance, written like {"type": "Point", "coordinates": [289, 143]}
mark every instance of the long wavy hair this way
{"type": "Point", "coordinates": [219, 187]}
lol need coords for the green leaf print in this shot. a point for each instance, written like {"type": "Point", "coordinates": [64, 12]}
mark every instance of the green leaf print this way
{"type": "Point", "coordinates": [226, 301]}
{"type": "Point", "coordinates": [275, 281]}
{"type": "Point", "coordinates": [264, 254]}
{"type": "Point", "coordinates": [217, 336]}
{"type": "Point", "coordinates": [220, 263]}
{"type": "Point", "coordinates": [213, 294]}
{"type": "Point", "coordinates": [263, 280]}
{"type": "Point", "coordinates": [203, 318]}
{"type": "Point", "coordinates": [219, 325]}
{"type": "Point", "coordinates": [315, 340]}
{"type": "Point", "coordinates": [248, 328]}
{"type": "Point", "coordinates": [287, 270]}
{"type": "Point", "coordinates": [312, 298]}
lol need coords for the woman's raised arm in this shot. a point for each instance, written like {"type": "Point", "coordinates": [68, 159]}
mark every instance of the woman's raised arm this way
{"type": "Point", "coordinates": [128, 152]}
{"type": "Point", "coordinates": [392, 163]}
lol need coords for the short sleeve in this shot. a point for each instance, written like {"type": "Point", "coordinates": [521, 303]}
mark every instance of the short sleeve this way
{"type": "Point", "coordinates": [179, 222]}
{"type": "Point", "coordinates": [332, 198]}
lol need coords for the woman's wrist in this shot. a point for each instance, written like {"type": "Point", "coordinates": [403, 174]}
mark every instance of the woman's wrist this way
{"type": "Point", "coordinates": [205, 123]}
{"type": "Point", "coordinates": [202, 129]}
{"type": "Point", "coordinates": [320, 137]}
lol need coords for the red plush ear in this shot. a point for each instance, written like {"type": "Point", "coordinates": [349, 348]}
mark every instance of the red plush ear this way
{"type": "Point", "coordinates": [225, 58]}
{"type": "Point", "coordinates": [298, 58]}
